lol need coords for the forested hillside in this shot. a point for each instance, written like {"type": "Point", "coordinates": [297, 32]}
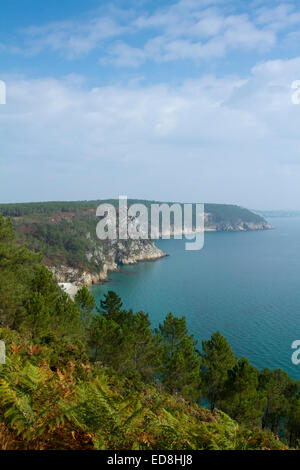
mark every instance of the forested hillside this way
{"type": "Point", "coordinates": [81, 376]}
{"type": "Point", "coordinates": [66, 233]}
{"type": "Point", "coordinates": [219, 212]}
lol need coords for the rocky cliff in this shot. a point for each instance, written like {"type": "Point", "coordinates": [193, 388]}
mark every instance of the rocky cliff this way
{"type": "Point", "coordinates": [108, 260]}
{"type": "Point", "coordinates": [213, 224]}
{"type": "Point", "coordinates": [66, 233]}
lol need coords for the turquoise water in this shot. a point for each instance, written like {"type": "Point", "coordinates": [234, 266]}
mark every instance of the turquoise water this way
{"type": "Point", "coordinates": [246, 285]}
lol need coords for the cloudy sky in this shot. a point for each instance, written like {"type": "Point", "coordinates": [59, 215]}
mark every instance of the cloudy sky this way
{"type": "Point", "coordinates": [186, 100]}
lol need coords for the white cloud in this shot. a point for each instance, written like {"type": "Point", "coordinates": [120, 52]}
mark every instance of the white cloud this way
{"type": "Point", "coordinates": [241, 33]}
{"type": "Point", "coordinates": [121, 54]}
{"type": "Point", "coordinates": [72, 38]}
{"type": "Point", "coordinates": [209, 138]}
{"type": "Point", "coordinates": [186, 29]}
{"type": "Point", "coordinates": [279, 17]}
{"type": "Point", "coordinates": [194, 34]}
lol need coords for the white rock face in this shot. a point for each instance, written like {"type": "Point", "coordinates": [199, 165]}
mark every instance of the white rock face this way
{"type": "Point", "coordinates": [109, 259]}
{"type": "Point", "coordinates": [106, 257]}
{"type": "Point", "coordinates": [69, 288]}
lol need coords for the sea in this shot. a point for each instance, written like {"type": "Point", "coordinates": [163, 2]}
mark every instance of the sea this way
{"type": "Point", "coordinates": [244, 284]}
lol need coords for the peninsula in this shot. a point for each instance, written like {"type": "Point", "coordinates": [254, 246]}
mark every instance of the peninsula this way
{"type": "Point", "coordinates": [66, 233]}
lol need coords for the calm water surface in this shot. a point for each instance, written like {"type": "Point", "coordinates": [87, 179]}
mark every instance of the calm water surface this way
{"type": "Point", "coordinates": [246, 285]}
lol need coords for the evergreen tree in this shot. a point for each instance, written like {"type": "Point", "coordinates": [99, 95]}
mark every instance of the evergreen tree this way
{"type": "Point", "coordinates": [51, 315]}
{"type": "Point", "coordinates": [293, 422]}
{"type": "Point", "coordinates": [111, 307]}
{"type": "Point", "coordinates": [217, 359]}
{"type": "Point", "coordinates": [66, 320]}
{"type": "Point", "coordinates": [108, 333]}
{"type": "Point", "coordinates": [51, 396]}
{"type": "Point", "coordinates": [180, 360]}
{"type": "Point", "coordinates": [123, 340]}
{"type": "Point", "coordinates": [107, 342]}
{"type": "Point", "coordinates": [16, 271]}
{"type": "Point", "coordinates": [86, 303]}
{"type": "Point", "coordinates": [38, 316]}
{"type": "Point", "coordinates": [144, 354]}
{"type": "Point", "coordinates": [242, 400]}
{"type": "Point", "coordinates": [43, 283]}
{"type": "Point", "coordinates": [280, 391]}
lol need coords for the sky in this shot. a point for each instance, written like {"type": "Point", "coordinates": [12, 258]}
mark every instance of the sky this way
{"type": "Point", "coordinates": [187, 100]}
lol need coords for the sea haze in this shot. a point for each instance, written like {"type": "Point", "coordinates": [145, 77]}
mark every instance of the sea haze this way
{"type": "Point", "coordinates": [244, 284]}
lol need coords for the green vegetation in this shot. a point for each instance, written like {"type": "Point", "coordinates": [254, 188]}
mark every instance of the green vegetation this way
{"type": "Point", "coordinates": [217, 360]}
{"type": "Point", "coordinates": [64, 240]}
{"type": "Point", "coordinates": [219, 212]}
{"type": "Point", "coordinates": [66, 231]}
{"type": "Point", "coordinates": [80, 378]}
{"type": "Point", "coordinates": [180, 361]}
{"type": "Point", "coordinates": [232, 214]}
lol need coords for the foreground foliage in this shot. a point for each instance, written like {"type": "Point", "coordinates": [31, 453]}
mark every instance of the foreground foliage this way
{"type": "Point", "coordinates": [76, 378]}
{"type": "Point", "coordinates": [83, 407]}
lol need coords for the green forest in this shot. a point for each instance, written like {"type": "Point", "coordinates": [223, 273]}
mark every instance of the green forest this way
{"type": "Point", "coordinates": [83, 376]}
{"type": "Point", "coordinates": [66, 231]}
{"type": "Point", "coordinates": [220, 212]}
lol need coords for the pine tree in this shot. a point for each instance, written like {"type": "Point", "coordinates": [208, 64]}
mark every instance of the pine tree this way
{"type": "Point", "coordinates": [242, 400]}
{"type": "Point", "coordinates": [123, 340]}
{"type": "Point", "coordinates": [16, 271]}
{"type": "Point", "coordinates": [280, 390]}
{"type": "Point", "coordinates": [111, 307]}
{"type": "Point", "coordinates": [217, 359]}
{"type": "Point", "coordinates": [141, 345]}
{"type": "Point", "coordinates": [85, 301]}
{"type": "Point", "coordinates": [107, 342]}
{"type": "Point", "coordinates": [293, 422]}
{"type": "Point", "coordinates": [180, 358]}
{"type": "Point", "coordinates": [38, 316]}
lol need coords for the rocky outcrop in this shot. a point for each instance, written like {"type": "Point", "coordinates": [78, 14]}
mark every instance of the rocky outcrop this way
{"type": "Point", "coordinates": [241, 227]}
{"type": "Point", "coordinates": [98, 258]}
{"type": "Point", "coordinates": [66, 274]}
{"type": "Point", "coordinates": [109, 256]}
{"type": "Point", "coordinates": [140, 250]}
{"type": "Point", "coordinates": [108, 259]}
{"type": "Point", "coordinates": [211, 224]}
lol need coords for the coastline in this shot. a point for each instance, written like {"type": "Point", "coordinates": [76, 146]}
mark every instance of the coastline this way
{"type": "Point", "coordinates": [72, 279]}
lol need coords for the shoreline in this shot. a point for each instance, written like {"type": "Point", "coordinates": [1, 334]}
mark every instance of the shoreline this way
{"type": "Point", "coordinates": [72, 287]}
{"type": "Point", "coordinates": [71, 280]}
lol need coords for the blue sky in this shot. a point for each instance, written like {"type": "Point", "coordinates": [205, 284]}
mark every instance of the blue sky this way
{"type": "Point", "coordinates": [178, 100]}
